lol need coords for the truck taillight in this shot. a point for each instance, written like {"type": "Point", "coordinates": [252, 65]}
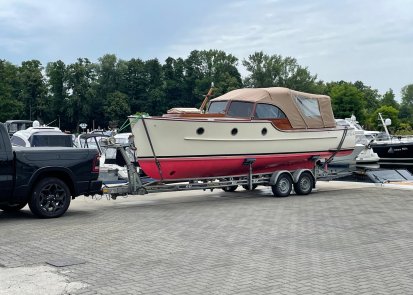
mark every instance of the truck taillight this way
{"type": "Point", "coordinates": [96, 164]}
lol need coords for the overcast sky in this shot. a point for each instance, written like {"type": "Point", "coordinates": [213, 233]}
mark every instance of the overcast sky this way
{"type": "Point", "coordinates": [366, 40]}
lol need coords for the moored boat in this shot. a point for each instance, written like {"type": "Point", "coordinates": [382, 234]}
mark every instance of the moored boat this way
{"type": "Point", "coordinates": [394, 151]}
{"type": "Point", "coordinates": [278, 127]}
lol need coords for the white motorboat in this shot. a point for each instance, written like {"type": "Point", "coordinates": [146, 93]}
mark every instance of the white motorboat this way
{"type": "Point", "coordinates": [363, 153]}
{"type": "Point", "coordinates": [278, 127]}
{"type": "Point", "coordinates": [38, 136]}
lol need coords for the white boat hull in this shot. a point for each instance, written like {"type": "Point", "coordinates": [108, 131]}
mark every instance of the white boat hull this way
{"type": "Point", "coordinates": [172, 144]}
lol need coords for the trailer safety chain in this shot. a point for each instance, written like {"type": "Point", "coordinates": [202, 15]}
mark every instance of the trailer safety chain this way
{"type": "Point", "coordinates": [338, 148]}
{"type": "Point", "coordinates": [153, 150]}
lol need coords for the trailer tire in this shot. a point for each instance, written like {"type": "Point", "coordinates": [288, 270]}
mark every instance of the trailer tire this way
{"type": "Point", "coordinates": [50, 198]}
{"type": "Point", "coordinates": [304, 184]}
{"type": "Point", "coordinates": [282, 188]}
{"type": "Point", "coordinates": [12, 207]}
{"type": "Point", "coordinates": [230, 188]}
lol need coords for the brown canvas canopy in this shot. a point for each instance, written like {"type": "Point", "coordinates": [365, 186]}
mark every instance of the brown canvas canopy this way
{"type": "Point", "coordinates": [304, 110]}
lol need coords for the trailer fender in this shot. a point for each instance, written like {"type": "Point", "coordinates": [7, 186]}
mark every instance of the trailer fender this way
{"type": "Point", "coordinates": [296, 175]}
{"type": "Point", "coordinates": [275, 175]}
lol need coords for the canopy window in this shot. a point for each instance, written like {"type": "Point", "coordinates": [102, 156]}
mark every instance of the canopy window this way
{"type": "Point", "coordinates": [217, 107]}
{"type": "Point", "coordinates": [268, 111]}
{"type": "Point", "coordinates": [309, 107]}
{"type": "Point", "coordinates": [240, 109]}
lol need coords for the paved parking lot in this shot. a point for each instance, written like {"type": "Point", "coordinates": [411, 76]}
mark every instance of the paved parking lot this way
{"type": "Point", "coordinates": [338, 240]}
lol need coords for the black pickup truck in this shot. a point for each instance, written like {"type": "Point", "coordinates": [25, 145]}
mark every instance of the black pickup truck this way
{"type": "Point", "coordinates": [45, 178]}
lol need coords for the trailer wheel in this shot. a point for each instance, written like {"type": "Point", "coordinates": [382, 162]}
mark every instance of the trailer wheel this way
{"type": "Point", "coordinates": [283, 186]}
{"type": "Point", "coordinates": [12, 207]}
{"type": "Point", "coordinates": [230, 188]}
{"type": "Point", "coordinates": [246, 187]}
{"type": "Point", "coordinates": [50, 198]}
{"type": "Point", "coordinates": [305, 184]}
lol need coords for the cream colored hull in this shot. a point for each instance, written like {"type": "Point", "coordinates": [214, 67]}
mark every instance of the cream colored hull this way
{"type": "Point", "coordinates": [177, 137]}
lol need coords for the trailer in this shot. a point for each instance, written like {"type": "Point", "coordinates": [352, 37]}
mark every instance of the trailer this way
{"type": "Point", "coordinates": [282, 182]}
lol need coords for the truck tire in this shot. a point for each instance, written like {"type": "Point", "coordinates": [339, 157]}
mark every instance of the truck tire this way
{"type": "Point", "coordinates": [50, 198]}
{"type": "Point", "coordinates": [305, 184]}
{"type": "Point", "coordinates": [12, 207]}
{"type": "Point", "coordinates": [282, 188]}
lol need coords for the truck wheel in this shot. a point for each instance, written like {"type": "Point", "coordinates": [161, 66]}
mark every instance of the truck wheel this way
{"type": "Point", "coordinates": [12, 207]}
{"type": "Point", "coordinates": [230, 188]}
{"type": "Point", "coordinates": [305, 184]}
{"type": "Point", "coordinates": [283, 186]}
{"type": "Point", "coordinates": [50, 198]}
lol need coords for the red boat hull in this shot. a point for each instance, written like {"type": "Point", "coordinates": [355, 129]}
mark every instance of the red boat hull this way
{"type": "Point", "coordinates": [215, 166]}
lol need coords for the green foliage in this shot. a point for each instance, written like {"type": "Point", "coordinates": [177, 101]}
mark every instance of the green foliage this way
{"type": "Point", "coordinates": [347, 100]}
{"type": "Point", "coordinates": [386, 112]}
{"type": "Point", "coordinates": [406, 106]}
{"type": "Point", "coordinates": [274, 70]}
{"type": "Point", "coordinates": [404, 129]}
{"type": "Point", "coordinates": [407, 95]}
{"type": "Point", "coordinates": [111, 88]}
{"type": "Point", "coordinates": [360, 99]}
{"type": "Point", "coordinates": [56, 74]}
{"type": "Point", "coordinates": [32, 89]}
{"type": "Point", "coordinates": [207, 66]}
{"type": "Point", "coordinates": [10, 107]}
{"type": "Point", "coordinates": [389, 99]}
{"type": "Point", "coordinates": [117, 105]}
{"type": "Point", "coordinates": [80, 81]}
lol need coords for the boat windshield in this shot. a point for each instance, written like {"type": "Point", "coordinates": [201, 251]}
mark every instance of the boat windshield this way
{"type": "Point", "coordinates": [240, 109]}
{"type": "Point", "coordinates": [217, 107]}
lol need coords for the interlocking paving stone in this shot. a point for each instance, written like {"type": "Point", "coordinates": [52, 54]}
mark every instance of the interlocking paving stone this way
{"type": "Point", "coordinates": [350, 241]}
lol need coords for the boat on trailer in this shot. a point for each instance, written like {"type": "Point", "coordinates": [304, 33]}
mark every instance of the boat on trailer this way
{"type": "Point", "coordinates": [281, 129]}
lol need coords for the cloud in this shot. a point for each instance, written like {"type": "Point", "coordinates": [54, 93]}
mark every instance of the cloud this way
{"type": "Point", "coordinates": [345, 40]}
{"type": "Point", "coordinates": [30, 26]}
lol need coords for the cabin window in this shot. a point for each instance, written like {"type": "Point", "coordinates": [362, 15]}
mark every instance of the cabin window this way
{"type": "Point", "coordinates": [268, 111]}
{"type": "Point", "coordinates": [240, 109]}
{"type": "Point", "coordinates": [217, 107]}
{"type": "Point", "coordinates": [15, 140]}
{"type": "Point", "coordinates": [51, 140]}
{"type": "Point", "coordinates": [308, 106]}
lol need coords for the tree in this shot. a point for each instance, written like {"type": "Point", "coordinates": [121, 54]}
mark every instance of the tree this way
{"type": "Point", "coordinates": [370, 96]}
{"type": "Point", "coordinates": [207, 66]}
{"type": "Point", "coordinates": [33, 89]}
{"type": "Point", "coordinates": [81, 79]}
{"type": "Point", "coordinates": [56, 74]}
{"type": "Point", "coordinates": [155, 102]}
{"type": "Point", "coordinates": [10, 107]}
{"type": "Point", "coordinates": [407, 95]}
{"type": "Point", "coordinates": [389, 99]}
{"type": "Point", "coordinates": [347, 100]}
{"type": "Point", "coordinates": [173, 74]}
{"type": "Point", "coordinates": [386, 112]}
{"type": "Point", "coordinates": [110, 74]}
{"type": "Point", "coordinates": [137, 81]}
{"type": "Point", "coordinates": [116, 108]}
{"type": "Point", "coordinates": [274, 70]}
{"type": "Point", "coordinates": [406, 106]}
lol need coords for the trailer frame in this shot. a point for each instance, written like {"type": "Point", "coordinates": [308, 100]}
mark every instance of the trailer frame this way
{"type": "Point", "coordinates": [138, 185]}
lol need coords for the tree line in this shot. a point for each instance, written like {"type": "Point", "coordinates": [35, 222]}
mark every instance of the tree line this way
{"type": "Point", "coordinates": [104, 93]}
